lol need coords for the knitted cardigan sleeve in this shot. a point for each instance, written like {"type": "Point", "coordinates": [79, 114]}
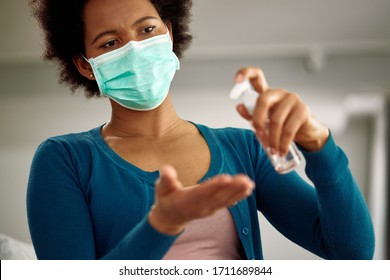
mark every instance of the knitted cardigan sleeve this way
{"type": "Point", "coordinates": [330, 219]}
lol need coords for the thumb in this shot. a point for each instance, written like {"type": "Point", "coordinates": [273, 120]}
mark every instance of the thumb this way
{"type": "Point", "coordinates": [168, 180]}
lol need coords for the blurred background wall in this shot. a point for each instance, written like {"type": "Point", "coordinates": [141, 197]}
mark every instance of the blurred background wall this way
{"type": "Point", "coordinates": [335, 54]}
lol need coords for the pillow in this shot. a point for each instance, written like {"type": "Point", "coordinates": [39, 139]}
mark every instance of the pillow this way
{"type": "Point", "coordinates": [12, 249]}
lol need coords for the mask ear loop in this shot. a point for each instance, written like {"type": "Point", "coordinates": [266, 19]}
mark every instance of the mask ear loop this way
{"type": "Point", "coordinates": [86, 60]}
{"type": "Point", "coordinates": [168, 33]}
{"type": "Point", "coordinates": [84, 57]}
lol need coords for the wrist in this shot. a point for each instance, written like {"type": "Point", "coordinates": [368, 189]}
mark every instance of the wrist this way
{"type": "Point", "coordinates": [160, 225]}
{"type": "Point", "coordinates": [315, 137]}
{"type": "Point", "coordinates": [318, 143]}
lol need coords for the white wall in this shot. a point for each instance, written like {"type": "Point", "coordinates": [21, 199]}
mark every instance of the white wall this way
{"type": "Point", "coordinates": [33, 107]}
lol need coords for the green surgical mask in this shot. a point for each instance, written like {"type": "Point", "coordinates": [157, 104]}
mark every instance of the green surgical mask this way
{"type": "Point", "coordinates": [139, 74]}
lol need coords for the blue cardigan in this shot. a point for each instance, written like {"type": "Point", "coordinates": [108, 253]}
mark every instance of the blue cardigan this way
{"type": "Point", "coordinates": [86, 202]}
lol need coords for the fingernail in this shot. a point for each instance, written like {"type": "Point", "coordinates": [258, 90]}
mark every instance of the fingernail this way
{"type": "Point", "coordinates": [239, 78]}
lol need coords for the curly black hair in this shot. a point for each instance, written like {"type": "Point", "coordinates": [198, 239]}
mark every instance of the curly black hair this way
{"type": "Point", "coordinates": [62, 23]}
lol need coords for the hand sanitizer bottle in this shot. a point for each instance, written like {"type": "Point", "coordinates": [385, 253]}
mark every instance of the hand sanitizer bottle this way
{"type": "Point", "coordinates": [282, 164]}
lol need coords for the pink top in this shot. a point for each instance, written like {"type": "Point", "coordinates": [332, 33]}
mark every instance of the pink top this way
{"type": "Point", "coordinates": [210, 238]}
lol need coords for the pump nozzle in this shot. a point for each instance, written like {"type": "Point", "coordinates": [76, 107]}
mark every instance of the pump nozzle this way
{"type": "Point", "coordinates": [248, 94]}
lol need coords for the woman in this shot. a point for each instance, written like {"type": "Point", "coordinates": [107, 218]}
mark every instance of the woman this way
{"type": "Point", "coordinates": [99, 194]}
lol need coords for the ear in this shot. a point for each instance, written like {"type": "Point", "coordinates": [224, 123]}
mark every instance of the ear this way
{"type": "Point", "coordinates": [169, 26]}
{"type": "Point", "coordinates": [84, 67]}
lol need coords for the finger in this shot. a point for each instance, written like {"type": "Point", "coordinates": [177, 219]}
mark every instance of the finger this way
{"type": "Point", "coordinates": [264, 104]}
{"type": "Point", "coordinates": [241, 109]}
{"type": "Point", "coordinates": [256, 77]}
{"type": "Point", "coordinates": [203, 200]}
{"type": "Point", "coordinates": [233, 197]}
{"type": "Point", "coordinates": [277, 119]}
{"type": "Point", "coordinates": [168, 180]}
{"type": "Point", "coordinates": [262, 137]}
{"type": "Point", "coordinates": [216, 187]}
{"type": "Point", "coordinates": [222, 190]}
{"type": "Point", "coordinates": [293, 123]}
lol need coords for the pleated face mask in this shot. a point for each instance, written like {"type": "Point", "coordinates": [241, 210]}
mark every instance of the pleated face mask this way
{"type": "Point", "coordinates": [139, 74]}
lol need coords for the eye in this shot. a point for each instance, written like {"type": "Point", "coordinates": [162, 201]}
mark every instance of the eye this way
{"type": "Point", "coordinates": [148, 29]}
{"type": "Point", "coordinates": [110, 44]}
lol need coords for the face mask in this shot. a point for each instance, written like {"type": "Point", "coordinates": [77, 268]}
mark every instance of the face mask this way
{"type": "Point", "coordinates": [137, 75]}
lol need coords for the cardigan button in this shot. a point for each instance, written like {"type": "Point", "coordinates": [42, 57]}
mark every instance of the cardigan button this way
{"type": "Point", "coordinates": [245, 231]}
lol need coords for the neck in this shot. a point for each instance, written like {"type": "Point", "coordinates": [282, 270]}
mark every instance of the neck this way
{"type": "Point", "coordinates": [154, 124]}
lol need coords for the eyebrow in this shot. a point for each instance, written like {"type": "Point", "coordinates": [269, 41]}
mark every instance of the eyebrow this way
{"type": "Point", "coordinates": [114, 31]}
{"type": "Point", "coordinates": [140, 20]}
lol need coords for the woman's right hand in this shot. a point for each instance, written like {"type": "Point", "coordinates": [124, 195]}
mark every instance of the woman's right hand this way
{"type": "Point", "coordinates": [176, 205]}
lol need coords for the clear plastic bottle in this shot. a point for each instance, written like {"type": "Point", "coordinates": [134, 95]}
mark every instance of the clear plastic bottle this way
{"type": "Point", "coordinates": [282, 164]}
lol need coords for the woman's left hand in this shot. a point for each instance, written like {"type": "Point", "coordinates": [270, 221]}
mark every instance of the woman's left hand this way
{"type": "Point", "coordinates": [281, 117]}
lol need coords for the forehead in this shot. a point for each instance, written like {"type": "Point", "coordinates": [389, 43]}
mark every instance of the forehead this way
{"type": "Point", "coordinates": [104, 14]}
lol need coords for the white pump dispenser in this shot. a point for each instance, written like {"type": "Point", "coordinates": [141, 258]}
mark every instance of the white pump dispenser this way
{"type": "Point", "coordinates": [249, 97]}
